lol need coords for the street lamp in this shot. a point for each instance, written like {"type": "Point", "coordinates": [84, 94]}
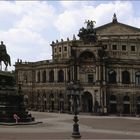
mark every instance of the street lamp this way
{"type": "Point", "coordinates": [74, 89]}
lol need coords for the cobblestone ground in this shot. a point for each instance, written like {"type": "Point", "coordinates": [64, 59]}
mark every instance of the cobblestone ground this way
{"type": "Point", "coordinates": [59, 126]}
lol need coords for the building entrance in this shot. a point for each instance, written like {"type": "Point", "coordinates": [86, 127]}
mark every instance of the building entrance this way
{"type": "Point", "coordinates": [87, 102]}
{"type": "Point", "coordinates": [113, 104]}
{"type": "Point", "coordinates": [126, 105]}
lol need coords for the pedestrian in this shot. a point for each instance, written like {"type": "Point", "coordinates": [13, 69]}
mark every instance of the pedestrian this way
{"type": "Point", "coordinates": [16, 117]}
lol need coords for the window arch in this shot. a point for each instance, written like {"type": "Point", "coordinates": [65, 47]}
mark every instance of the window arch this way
{"type": "Point", "coordinates": [126, 99]}
{"type": "Point", "coordinates": [38, 76]}
{"type": "Point", "coordinates": [44, 76]}
{"type": "Point", "coordinates": [51, 76]}
{"type": "Point", "coordinates": [112, 77]}
{"type": "Point", "coordinates": [60, 76]}
{"type": "Point", "coordinates": [113, 99]}
{"type": "Point", "coordinates": [125, 77]}
{"type": "Point", "coordinates": [137, 77]}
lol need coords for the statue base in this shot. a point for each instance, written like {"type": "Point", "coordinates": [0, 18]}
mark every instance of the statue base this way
{"type": "Point", "coordinates": [12, 108]}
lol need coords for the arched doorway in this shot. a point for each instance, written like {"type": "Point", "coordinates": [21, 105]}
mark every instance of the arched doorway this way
{"type": "Point", "coordinates": [126, 105]}
{"type": "Point", "coordinates": [87, 102]}
{"type": "Point", "coordinates": [113, 104]}
{"type": "Point", "coordinates": [138, 105]}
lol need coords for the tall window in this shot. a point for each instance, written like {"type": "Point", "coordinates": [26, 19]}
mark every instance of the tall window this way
{"type": "Point", "coordinates": [51, 76]}
{"type": "Point", "coordinates": [137, 77]}
{"type": "Point", "coordinates": [123, 47]}
{"type": "Point", "coordinates": [44, 76]}
{"type": "Point", "coordinates": [112, 77]}
{"type": "Point", "coordinates": [90, 78]}
{"type": "Point", "coordinates": [38, 77]}
{"type": "Point", "coordinates": [65, 48]}
{"type": "Point", "coordinates": [59, 49]}
{"type": "Point", "coordinates": [55, 50]}
{"type": "Point", "coordinates": [60, 76]}
{"type": "Point", "coordinates": [114, 47]}
{"type": "Point", "coordinates": [125, 77]}
{"type": "Point", "coordinates": [133, 48]}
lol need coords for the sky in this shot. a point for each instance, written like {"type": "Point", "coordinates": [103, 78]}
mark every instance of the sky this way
{"type": "Point", "coordinates": [27, 28]}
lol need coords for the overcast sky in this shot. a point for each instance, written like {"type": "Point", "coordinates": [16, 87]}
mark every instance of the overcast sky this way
{"type": "Point", "coordinates": [28, 27]}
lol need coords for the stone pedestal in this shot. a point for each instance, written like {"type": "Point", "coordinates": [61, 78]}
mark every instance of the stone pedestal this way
{"type": "Point", "coordinates": [11, 100]}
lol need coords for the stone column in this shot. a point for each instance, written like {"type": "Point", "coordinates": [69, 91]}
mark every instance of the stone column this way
{"type": "Point", "coordinates": [120, 75]}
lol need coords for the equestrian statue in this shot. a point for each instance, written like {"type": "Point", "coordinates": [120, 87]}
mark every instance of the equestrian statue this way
{"type": "Point", "coordinates": [4, 56]}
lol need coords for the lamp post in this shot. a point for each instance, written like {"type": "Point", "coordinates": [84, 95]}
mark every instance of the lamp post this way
{"type": "Point", "coordinates": [74, 89]}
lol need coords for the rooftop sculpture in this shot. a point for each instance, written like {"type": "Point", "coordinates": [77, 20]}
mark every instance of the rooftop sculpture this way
{"type": "Point", "coordinates": [88, 34]}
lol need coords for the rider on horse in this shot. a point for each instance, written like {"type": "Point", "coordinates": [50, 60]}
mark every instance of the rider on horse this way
{"type": "Point", "coordinates": [3, 50]}
{"type": "Point", "coordinates": [4, 56]}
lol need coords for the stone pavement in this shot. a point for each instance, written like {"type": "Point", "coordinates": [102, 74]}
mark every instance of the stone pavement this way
{"type": "Point", "coordinates": [59, 126]}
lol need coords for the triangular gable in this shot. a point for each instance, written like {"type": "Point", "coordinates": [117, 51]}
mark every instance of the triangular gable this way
{"type": "Point", "coordinates": [117, 28]}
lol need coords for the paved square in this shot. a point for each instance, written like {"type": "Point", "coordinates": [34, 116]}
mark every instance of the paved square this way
{"type": "Point", "coordinates": [59, 126]}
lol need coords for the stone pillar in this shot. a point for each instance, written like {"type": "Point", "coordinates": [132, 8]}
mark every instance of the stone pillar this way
{"type": "Point", "coordinates": [41, 76]}
{"type": "Point", "coordinates": [78, 73]}
{"type": "Point", "coordinates": [120, 75]}
{"type": "Point", "coordinates": [99, 72]}
{"type": "Point", "coordinates": [104, 74]}
{"type": "Point", "coordinates": [47, 75]}
{"type": "Point", "coordinates": [96, 73]}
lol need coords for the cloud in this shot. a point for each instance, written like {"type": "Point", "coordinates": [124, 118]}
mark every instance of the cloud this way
{"type": "Point", "coordinates": [25, 45]}
{"type": "Point", "coordinates": [23, 29]}
{"type": "Point", "coordinates": [72, 18]}
{"type": "Point", "coordinates": [39, 17]}
{"type": "Point", "coordinates": [28, 27]}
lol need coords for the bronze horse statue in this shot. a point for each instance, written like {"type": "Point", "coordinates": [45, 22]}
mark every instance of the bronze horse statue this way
{"type": "Point", "coordinates": [4, 56]}
{"type": "Point", "coordinates": [6, 60]}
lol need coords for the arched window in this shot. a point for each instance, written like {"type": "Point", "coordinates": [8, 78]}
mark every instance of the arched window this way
{"type": "Point", "coordinates": [112, 77]}
{"type": "Point", "coordinates": [44, 76]}
{"type": "Point", "coordinates": [60, 76]}
{"type": "Point", "coordinates": [137, 77]}
{"type": "Point", "coordinates": [126, 99]}
{"type": "Point", "coordinates": [113, 99]}
{"type": "Point", "coordinates": [125, 77]}
{"type": "Point", "coordinates": [51, 76]}
{"type": "Point", "coordinates": [38, 77]}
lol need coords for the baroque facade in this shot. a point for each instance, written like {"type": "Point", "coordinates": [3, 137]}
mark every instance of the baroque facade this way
{"type": "Point", "coordinates": [107, 60]}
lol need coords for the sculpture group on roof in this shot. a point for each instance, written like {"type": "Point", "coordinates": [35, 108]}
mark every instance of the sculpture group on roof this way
{"type": "Point", "coordinates": [88, 34]}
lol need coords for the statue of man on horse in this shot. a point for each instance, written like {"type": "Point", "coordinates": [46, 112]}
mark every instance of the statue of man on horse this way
{"type": "Point", "coordinates": [4, 56]}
